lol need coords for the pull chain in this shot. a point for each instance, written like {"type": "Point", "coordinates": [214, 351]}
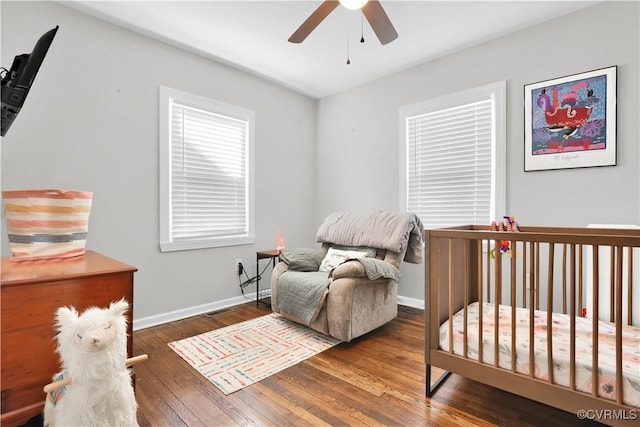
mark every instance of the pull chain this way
{"type": "Point", "coordinates": [362, 27]}
{"type": "Point", "coordinates": [348, 52]}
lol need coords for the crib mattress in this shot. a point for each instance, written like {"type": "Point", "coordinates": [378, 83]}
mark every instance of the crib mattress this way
{"type": "Point", "coordinates": [560, 348]}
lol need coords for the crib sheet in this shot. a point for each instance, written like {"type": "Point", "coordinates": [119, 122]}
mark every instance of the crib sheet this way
{"type": "Point", "coordinates": [561, 345]}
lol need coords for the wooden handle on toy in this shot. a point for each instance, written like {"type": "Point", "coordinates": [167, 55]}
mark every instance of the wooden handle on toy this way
{"type": "Point", "coordinates": [56, 385]}
{"type": "Point", "coordinates": [135, 359]}
{"type": "Point", "coordinates": [61, 383]}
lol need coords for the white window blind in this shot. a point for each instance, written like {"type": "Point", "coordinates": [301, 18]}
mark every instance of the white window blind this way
{"type": "Point", "coordinates": [208, 195]}
{"type": "Point", "coordinates": [451, 166]}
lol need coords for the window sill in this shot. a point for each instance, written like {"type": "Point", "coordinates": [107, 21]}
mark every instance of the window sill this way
{"type": "Point", "coordinates": [186, 245]}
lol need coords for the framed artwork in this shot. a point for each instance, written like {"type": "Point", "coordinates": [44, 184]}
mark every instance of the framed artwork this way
{"type": "Point", "coordinates": [570, 122]}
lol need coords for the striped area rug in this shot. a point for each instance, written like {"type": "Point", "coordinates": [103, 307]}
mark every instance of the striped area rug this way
{"type": "Point", "coordinates": [239, 355]}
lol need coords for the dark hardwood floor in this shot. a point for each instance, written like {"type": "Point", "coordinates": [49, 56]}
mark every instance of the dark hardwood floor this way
{"type": "Point", "coordinates": [377, 379]}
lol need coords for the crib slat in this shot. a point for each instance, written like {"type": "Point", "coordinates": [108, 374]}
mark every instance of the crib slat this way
{"type": "Point", "coordinates": [564, 280]}
{"type": "Point", "coordinates": [572, 324]}
{"type": "Point", "coordinates": [580, 281]}
{"type": "Point", "coordinates": [549, 324]}
{"type": "Point", "coordinates": [532, 275]}
{"type": "Point", "coordinates": [618, 298]}
{"type": "Point", "coordinates": [524, 274]}
{"type": "Point", "coordinates": [550, 281]}
{"type": "Point", "coordinates": [480, 299]}
{"type": "Point", "coordinates": [595, 380]}
{"type": "Point", "coordinates": [513, 306]}
{"type": "Point", "coordinates": [488, 272]}
{"type": "Point", "coordinates": [465, 280]}
{"type": "Point", "coordinates": [612, 287]}
{"type": "Point", "coordinates": [629, 286]}
{"type": "Point", "coordinates": [498, 275]}
{"type": "Point", "coordinates": [496, 323]}
{"type": "Point", "coordinates": [537, 277]}
{"type": "Point", "coordinates": [531, 311]}
{"type": "Point", "coordinates": [450, 287]}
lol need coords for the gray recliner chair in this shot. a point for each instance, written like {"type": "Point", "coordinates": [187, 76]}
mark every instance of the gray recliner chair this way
{"type": "Point", "coordinates": [349, 285]}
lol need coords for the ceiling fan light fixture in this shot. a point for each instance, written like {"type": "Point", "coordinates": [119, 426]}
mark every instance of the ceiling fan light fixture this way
{"type": "Point", "coordinates": [371, 10]}
{"type": "Point", "coordinates": [353, 4]}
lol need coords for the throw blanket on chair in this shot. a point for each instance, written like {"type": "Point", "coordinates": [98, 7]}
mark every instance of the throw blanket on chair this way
{"type": "Point", "coordinates": [386, 230]}
{"type": "Point", "coordinates": [301, 295]}
{"type": "Point", "coordinates": [378, 269]}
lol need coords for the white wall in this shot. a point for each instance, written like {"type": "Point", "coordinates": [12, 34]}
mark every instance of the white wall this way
{"type": "Point", "coordinates": [363, 123]}
{"type": "Point", "coordinates": [90, 123]}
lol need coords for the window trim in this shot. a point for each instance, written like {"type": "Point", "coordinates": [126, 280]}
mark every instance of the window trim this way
{"type": "Point", "coordinates": [166, 95]}
{"type": "Point", "coordinates": [498, 91]}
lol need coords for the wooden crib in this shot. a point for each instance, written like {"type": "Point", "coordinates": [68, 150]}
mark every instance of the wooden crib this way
{"type": "Point", "coordinates": [574, 295]}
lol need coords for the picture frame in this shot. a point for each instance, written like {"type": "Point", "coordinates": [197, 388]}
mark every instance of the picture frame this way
{"type": "Point", "coordinates": [570, 122]}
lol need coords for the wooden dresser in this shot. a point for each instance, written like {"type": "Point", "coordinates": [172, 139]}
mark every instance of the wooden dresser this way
{"type": "Point", "coordinates": [32, 291]}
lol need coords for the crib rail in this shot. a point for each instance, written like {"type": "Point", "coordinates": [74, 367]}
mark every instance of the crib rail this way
{"type": "Point", "coordinates": [586, 274]}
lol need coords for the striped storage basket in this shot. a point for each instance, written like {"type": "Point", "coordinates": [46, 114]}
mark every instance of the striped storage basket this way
{"type": "Point", "coordinates": [47, 223]}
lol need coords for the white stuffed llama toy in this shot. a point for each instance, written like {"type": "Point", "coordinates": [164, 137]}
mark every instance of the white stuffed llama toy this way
{"type": "Point", "coordinates": [93, 350]}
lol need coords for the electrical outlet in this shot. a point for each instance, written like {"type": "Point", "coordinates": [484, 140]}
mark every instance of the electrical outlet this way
{"type": "Point", "coordinates": [239, 266]}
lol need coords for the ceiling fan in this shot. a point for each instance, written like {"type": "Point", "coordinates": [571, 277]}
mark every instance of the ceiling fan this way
{"type": "Point", "coordinates": [371, 9]}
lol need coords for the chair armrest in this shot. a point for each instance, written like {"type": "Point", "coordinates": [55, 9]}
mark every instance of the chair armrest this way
{"type": "Point", "coordinates": [356, 305]}
{"type": "Point", "coordinates": [280, 268]}
{"type": "Point", "coordinates": [353, 269]}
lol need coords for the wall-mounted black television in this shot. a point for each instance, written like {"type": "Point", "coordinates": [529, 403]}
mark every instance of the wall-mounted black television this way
{"type": "Point", "coordinates": [17, 81]}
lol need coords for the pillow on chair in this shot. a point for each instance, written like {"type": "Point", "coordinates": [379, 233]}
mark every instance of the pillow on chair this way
{"type": "Point", "coordinates": [335, 257]}
{"type": "Point", "coordinates": [302, 259]}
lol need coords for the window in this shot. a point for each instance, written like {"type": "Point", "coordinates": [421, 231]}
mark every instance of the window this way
{"type": "Point", "coordinates": [453, 157]}
{"type": "Point", "coordinates": [206, 172]}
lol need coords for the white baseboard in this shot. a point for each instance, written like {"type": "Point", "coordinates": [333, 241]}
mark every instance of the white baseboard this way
{"type": "Point", "coordinates": [172, 316]}
{"type": "Point", "coordinates": [411, 302]}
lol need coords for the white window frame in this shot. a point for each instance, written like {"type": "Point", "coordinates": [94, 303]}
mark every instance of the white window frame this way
{"type": "Point", "coordinates": [497, 92]}
{"type": "Point", "coordinates": [166, 97]}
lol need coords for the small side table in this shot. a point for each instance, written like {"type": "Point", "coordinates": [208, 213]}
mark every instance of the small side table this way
{"type": "Point", "coordinates": [271, 254]}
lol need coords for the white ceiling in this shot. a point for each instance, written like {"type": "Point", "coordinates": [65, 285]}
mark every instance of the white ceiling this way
{"type": "Point", "coordinates": [252, 35]}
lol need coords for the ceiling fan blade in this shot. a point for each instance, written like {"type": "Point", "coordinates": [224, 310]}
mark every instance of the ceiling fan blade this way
{"type": "Point", "coordinates": [313, 20]}
{"type": "Point", "coordinates": [379, 21]}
